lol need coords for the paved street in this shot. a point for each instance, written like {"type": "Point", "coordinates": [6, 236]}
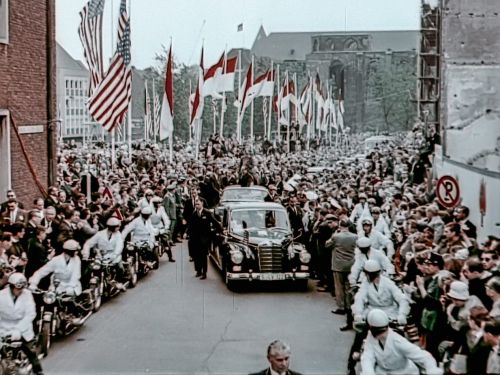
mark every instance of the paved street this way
{"type": "Point", "coordinates": [173, 323]}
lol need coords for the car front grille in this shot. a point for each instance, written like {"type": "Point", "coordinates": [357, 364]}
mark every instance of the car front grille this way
{"type": "Point", "coordinates": [271, 260]}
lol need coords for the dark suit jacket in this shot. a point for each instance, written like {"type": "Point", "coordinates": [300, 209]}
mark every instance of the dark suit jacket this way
{"type": "Point", "coordinates": [296, 220]}
{"type": "Point", "coordinates": [267, 371]}
{"type": "Point", "coordinates": [200, 229]}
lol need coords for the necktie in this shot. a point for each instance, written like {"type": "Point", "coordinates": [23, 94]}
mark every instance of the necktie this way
{"type": "Point", "coordinates": [381, 345]}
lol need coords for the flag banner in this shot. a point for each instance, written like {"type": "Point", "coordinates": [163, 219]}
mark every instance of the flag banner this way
{"type": "Point", "coordinates": [246, 93]}
{"type": "Point", "coordinates": [211, 77]}
{"type": "Point", "coordinates": [267, 80]}
{"type": "Point", "coordinates": [90, 32]}
{"type": "Point", "coordinates": [240, 27]}
{"type": "Point", "coordinates": [148, 123]}
{"type": "Point", "coordinates": [226, 80]}
{"type": "Point", "coordinates": [109, 102]}
{"type": "Point", "coordinates": [197, 102]}
{"type": "Point", "coordinates": [167, 107]}
{"type": "Point", "coordinates": [156, 112]}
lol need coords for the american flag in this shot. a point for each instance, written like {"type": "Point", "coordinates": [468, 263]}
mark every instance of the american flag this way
{"type": "Point", "coordinates": [90, 31]}
{"type": "Point", "coordinates": [109, 103]}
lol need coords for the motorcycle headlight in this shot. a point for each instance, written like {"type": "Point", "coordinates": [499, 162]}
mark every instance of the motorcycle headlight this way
{"type": "Point", "coordinates": [130, 246]}
{"type": "Point", "coordinates": [96, 266]}
{"type": "Point", "coordinates": [305, 257]}
{"type": "Point", "coordinates": [49, 298]}
{"type": "Point", "coordinates": [236, 257]}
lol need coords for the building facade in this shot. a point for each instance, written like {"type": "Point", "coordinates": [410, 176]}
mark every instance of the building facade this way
{"type": "Point", "coordinates": [28, 115]}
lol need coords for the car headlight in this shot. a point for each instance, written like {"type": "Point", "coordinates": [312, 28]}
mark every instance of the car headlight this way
{"type": "Point", "coordinates": [236, 257]}
{"type": "Point", "coordinates": [305, 257]}
{"type": "Point", "coordinates": [49, 298]}
{"type": "Point", "coordinates": [240, 248]}
{"type": "Point", "coordinates": [295, 248]}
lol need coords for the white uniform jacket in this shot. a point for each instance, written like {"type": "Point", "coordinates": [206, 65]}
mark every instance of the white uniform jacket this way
{"type": "Point", "coordinates": [160, 219]}
{"type": "Point", "coordinates": [68, 274]}
{"type": "Point", "coordinates": [398, 357]}
{"type": "Point", "coordinates": [109, 247]}
{"type": "Point", "coordinates": [17, 316]}
{"type": "Point", "coordinates": [359, 263]}
{"type": "Point", "coordinates": [386, 296]}
{"type": "Point", "coordinates": [142, 230]}
{"type": "Point", "coordinates": [379, 241]}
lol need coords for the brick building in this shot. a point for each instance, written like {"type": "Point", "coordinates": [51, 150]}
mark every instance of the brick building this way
{"type": "Point", "coordinates": [28, 116]}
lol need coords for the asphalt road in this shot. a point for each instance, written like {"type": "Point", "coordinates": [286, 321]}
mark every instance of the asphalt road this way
{"type": "Point", "coordinates": [174, 323]}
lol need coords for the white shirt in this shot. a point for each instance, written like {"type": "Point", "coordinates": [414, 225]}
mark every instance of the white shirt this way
{"type": "Point", "coordinates": [67, 272]}
{"type": "Point", "coordinates": [142, 230]}
{"type": "Point", "coordinates": [17, 316]}
{"type": "Point", "coordinates": [109, 245]}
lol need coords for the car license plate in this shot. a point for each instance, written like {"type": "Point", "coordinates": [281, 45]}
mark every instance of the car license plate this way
{"type": "Point", "coordinates": [272, 276]}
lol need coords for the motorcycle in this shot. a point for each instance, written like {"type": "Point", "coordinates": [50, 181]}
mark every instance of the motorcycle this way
{"type": "Point", "coordinates": [61, 314]}
{"type": "Point", "coordinates": [13, 360]}
{"type": "Point", "coordinates": [144, 257]}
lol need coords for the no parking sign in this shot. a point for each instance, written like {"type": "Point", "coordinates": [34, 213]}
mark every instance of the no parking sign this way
{"type": "Point", "coordinates": [448, 191]}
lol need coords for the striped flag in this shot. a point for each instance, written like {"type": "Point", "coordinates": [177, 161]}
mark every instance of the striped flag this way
{"type": "Point", "coordinates": [147, 117]}
{"type": "Point", "coordinates": [167, 107]}
{"type": "Point", "coordinates": [156, 111]}
{"type": "Point", "coordinates": [197, 96]}
{"type": "Point", "coordinates": [90, 32]}
{"type": "Point", "coordinates": [109, 103]}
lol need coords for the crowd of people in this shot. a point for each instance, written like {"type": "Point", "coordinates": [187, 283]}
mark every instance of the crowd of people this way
{"type": "Point", "coordinates": [381, 243]}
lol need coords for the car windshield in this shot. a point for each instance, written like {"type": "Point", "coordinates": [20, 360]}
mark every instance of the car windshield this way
{"type": "Point", "coordinates": [258, 219]}
{"type": "Point", "coordinates": [243, 195]}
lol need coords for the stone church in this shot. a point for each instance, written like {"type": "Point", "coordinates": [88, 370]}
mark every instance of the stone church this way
{"type": "Point", "coordinates": [345, 59]}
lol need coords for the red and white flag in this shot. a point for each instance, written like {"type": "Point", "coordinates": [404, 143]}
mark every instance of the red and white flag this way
{"type": "Point", "coordinates": [197, 97]}
{"type": "Point", "coordinates": [246, 93]}
{"type": "Point", "coordinates": [226, 80]}
{"type": "Point", "coordinates": [266, 82]}
{"type": "Point", "coordinates": [167, 106]}
{"type": "Point", "coordinates": [212, 79]}
{"type": "Point", "coordinates": [148, 122]}
{"type": "Point", "coordinates": [109, 102]}
{"type": "Point", "coordinates": [263, 85]}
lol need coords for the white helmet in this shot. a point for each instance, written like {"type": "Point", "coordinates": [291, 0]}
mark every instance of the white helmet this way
{"type": "Point", "coordinates": [17, 280]}
{"type": "Point", "coordinates": [377, 318]}
{"type": "Point", "coordinates": [113, 222]}
{"type": "Point", "coordinates": [363, 242]}
{"type": "Point", "coordinates": [71, 245]}
{"type": "Point", "coordinates": [371, 266]}
{"type": "Point", "coordinates": [146, 210]}
{"type": "Point", "coordinates": [367, 220]}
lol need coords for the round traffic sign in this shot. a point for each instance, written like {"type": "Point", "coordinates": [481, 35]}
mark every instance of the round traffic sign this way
{"type": "Point", "coordinates": [448, 191]}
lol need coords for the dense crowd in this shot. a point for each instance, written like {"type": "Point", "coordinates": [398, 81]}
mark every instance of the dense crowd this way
{"type": "Point", "coordinates": [378, 237]}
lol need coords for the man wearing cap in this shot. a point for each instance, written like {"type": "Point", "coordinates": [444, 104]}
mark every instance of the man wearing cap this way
{"type": "Point", "coordinates": [359, 208]}
{"type": "Point", "coordinates": [363, 253]}
{"type": "Point", "coordinates": [387, 352]}
{"type": "Point", "coordinates": [17, 312]}
{"type": "Point", "coordinates": [161, 223]}
{"type": "Point", "coordinates": [170, 206]}
{"type": "Point", "coordinates": [458, 311]}
{"type": "Point", "coordinates": [66, 268]}
{"type": "Point", "coordinates": [378, 240]}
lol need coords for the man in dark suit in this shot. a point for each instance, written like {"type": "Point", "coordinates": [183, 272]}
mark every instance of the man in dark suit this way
{"type": "Point", "coordinates": [200, 236]}
{"type": "Point", "coordinates": [278, 355]}
{"type": "Point", "coordinates": [461, 215]}
{"type": "Point", "coordinates": [295, 214]}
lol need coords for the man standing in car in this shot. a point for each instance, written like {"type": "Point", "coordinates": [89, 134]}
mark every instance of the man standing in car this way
{"type": "Point", "coordinates": [199, 230]}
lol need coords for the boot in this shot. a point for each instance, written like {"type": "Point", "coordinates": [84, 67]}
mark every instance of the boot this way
{"type": "Point", "coordinates": [169, 254]}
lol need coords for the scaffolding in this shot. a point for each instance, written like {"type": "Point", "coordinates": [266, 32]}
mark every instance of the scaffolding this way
{"type": "Point", "coordinates": [429, 67]}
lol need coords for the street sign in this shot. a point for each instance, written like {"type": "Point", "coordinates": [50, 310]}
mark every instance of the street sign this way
{"type": "Point", "coordinates": [448, 191]}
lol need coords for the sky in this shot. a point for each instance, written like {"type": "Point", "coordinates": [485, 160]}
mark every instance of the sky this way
{"type": "Point", "coordinates": [214, 23]}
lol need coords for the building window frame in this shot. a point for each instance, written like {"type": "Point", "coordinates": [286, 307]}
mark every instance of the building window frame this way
{"type": "Point", "coordinates": [4, 27]}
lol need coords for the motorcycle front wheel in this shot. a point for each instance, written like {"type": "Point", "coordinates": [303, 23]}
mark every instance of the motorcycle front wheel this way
{"type": "Point", "coordinates": [45, 339]}
{"type": "Point", "coordinates": [132, 273]}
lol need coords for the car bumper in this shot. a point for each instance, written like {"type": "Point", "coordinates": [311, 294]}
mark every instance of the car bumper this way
{"type": "Point", "coordinates": [268, 276]}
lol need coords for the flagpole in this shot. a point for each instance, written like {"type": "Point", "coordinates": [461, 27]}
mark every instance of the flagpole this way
{"type": "Point", "coordinates": [288, 113]}
{"type": "Point", "coordinates": [278, 104]}
{"type": "Point", "coordinates": [153, 127]}
{"type": "Point", "coordinates": [113, 157]}
{"type": "Point", "coordinates": [223, 104]}
{"type": "Point", "coordinates": [296, 91]}
{"type": "Point", "coordinates": [238, 120]}
{"type": "Point", "coordinates": [146, 125]}
{"type": "Point", "coordinates": [190, 93]}
{"type": "Point", "coordinates": [270, 104]}
{"type": "Point", "coordinates": [328, 131]}
{"type": "Point", "coordinates": [252, 105]}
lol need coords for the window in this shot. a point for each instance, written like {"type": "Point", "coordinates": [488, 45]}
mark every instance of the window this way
{"type": "Point", "coordinates": [4, 21]}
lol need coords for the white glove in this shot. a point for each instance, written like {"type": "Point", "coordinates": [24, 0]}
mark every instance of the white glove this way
{"type": "Point", "coordinates": [358, 318]}
{"type": "Point", "coordinates": [33, 287]}
{"type": "Point", "coordinates": [402, 320]}
{"type": "Point", "coordinates": [15, 335]}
